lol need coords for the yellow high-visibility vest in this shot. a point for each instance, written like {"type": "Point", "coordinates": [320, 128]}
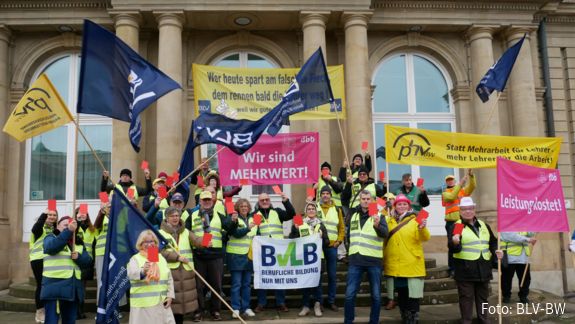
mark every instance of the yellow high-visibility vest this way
{"type": "Point", "coordinates": [241, 245]}
{"type": "Point", "coordinates": [88, 238]}
{"type": "Point", "coordinates": [215, 227]}
{"type": "Point", "coordinates": [272, 226]}
{"type": "Point", "coordinates": [331, 221]}
{"type": "Point", "coordinates": [143, 294]}
{"type": "Point", "coordinates": [184, 249]}
{"type": "Point", "coordinates": [364, 240]}
{"type": "Point", "coordinates": [119, 187]}
{"type": "Point", "coordinates": [36, 246]}
{"type": "Point", "coordinates": [61, 265]}
{"type": "Point", "coordinates": [101, 238]}
{"type": "Point", "coordinates": [515, 248]}
{"type": "Point", "coordinates": [356, 188]}
{"type": "Point", "coordinates": [473, 247]}
{"type": "Point", "coordinates": [335, 196]}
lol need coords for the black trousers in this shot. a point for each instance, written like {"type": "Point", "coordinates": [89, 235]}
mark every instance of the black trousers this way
{"type": "Point", "coordinates": [507, 274]}
{"type": "Point", "coordinates": [37, 269]}
{"type": "Point", "coordinates": [449, 229]}
{"type": "Point", "coordinates": [211, 270]}
{"type": "Point", "coordinates": [470, 292]}
{"type": "Point", "coordinates": [405, 303]}
{"type": "Point", "coordinates": [179, 318]}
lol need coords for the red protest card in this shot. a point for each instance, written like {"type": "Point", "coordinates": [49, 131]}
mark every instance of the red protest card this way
{"type": "Point", "coordinates": [372, 209]}
{"type": "Point", "coordinates": [104, 197]}
{"type": "Point", "coordinates": [310, 192]}
{"type": "Point", "coordinates": [381, 175]}
{"type": "Point", "coordinates": [162, 192]}
{"type": "Point", "coordinates": [420, 182]}
{"type": "Point", "coordinates": [364, 145]}
{"type": "Point", "coordinates": [458, 228]}
{"type": "Point", "coordinates": [206, 239]}
{"type": "Point", "coordinates": [325, 173]}
{"type": "Point", "coordinates": [228, 199]}
{"type": "Point", "coordinates": [380, 202]}
{"type": "Point", "coordinates": [298, 220]}
{"type": "Point", "coordinates": [145, 165]}
{"type": "Point", "coordinates": [277, 190]}
{"type": "Point", "coordinates": [52, 204]}
{"type": "Point", "coordinates": [244, 182]}
{"type": "Point", "coordinates": [130, 193]}
{"type": "Point", "coordinates": [257, 218]}
{"type": "Point", "coordinates": [175, 176]}
{"type": "Point", "coordinates": [153, 254]}
{"type": "Point", "coordinates": [230, 207]}
{"type": "Point", "coordinates": [423, 214]}
{"type": "Point", "coordinates": [169, 181]}
{"type": "Point", "coordinates": [201, 182]}
{"type": "Point", "coordinates": [83, 209]}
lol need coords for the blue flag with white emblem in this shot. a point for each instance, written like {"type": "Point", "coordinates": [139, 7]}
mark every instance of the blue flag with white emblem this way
{"type": "Point", "coordinates": [496, 77]}
{"type": "Point", "coordinates": [117, 82]}
{"type": "Point", "coordinates": [120, 247]}
{"type": "Point", "coordinates": [309, 89]}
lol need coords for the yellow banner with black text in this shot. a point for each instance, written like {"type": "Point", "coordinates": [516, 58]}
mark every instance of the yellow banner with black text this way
{"type": "Point", "coordinates": [461, 150]}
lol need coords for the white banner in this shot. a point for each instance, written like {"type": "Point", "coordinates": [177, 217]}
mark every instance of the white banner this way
{"type": "Point", "coordinates": [286, 263]}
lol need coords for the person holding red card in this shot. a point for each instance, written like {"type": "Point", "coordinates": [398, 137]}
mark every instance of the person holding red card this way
{"type": "Point", "coordinates": [450, 200]}
{"type": "Point", "coordinates": [404, 261]}
{"type": "Point", "coordinates": [352, 188]}
{"type": "Point", "coordinates": [474, 251]}
{"type": "Point", "coordinates": [417, 195]}
{"type": "Point", "coordinates": [353, 169]}
{"type": "Point", "coordinates": [181, 263]}
{"type": "Point", "coordinates": [125, 183]}
{"type": "Point", "coordinates": [198, 178]}
{"type": "Point", "coordinates": [62, 265]}
{"type": "Point", "coordinates": [150, 199]}
{"type": "Point", "coordinates": [87, 232]}
{"type": "Point", "coordinates": [311, 224]}
{"type": "Point", "coordinates": [327, 179]}
{"type": "Point", "coordinates": [271, 225]}
{"type": "Point", "coordinates": [151, 283]}
{"type": "Point", "coordinates": [366, 235]}
{"type": "Point", "coordinates": [44, 225]}
{"type": "Point", "coordinates": [239, 265]}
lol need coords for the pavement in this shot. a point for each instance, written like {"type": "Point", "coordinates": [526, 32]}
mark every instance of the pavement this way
{"type": "Point", "coordinates": [544, 308]}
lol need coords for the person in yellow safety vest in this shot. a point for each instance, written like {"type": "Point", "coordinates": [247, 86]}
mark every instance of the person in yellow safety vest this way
{"type": "Point", "coordinates": [312, 224]}
{"type": "Point", "coordinates": [213, 180]}
{"type": "Point", "coordinates": [352, 188]}
{"type": "Point", "coordinates": [366, 235]}
{"type": "Point", "coordinates": [450, 200]}
{"type": "Point", "coordinates": [518, 252]}
{"type": "Point", "coordinates": [356, 163]}
{"type": "Point", "coordinates": [332, 216]}
{"type": "Point", "coordinates": [181, 262]}
{"type": "Point", "coordinates": [474, 251]}
{"type": "Point", "coordinates": [156, 215]}
{"type": "Point", "coordinates": [271, 225]}
{"type": "Point", "coordinates": [88, 233]}
{"type": "Point", "coordinates": [45, 224]}
{"type": "Point", "coordinates": [62, 289]}
{"type": "Point", "coordinates": [125, 183]}
{"type": "Point", "coordinates": [404, 260]}
{"type": "Point", "coordinates": [208, 259]}
{"type": "Point", "coordinates": [151, 290]}
{"type": "Point", "coordinates": [150, 199]}
{"type": "Point", "coordinates": [239, 265]}
{"type": "Point", "coordinates": [198, 178]}
{"type": "Point", "coordinates": [332, 182]}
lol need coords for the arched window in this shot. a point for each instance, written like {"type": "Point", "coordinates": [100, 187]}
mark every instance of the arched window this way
{"type": "Point", "coordinates": [50, 156]}
{"type": "Point", "coordinates": [412, 90]}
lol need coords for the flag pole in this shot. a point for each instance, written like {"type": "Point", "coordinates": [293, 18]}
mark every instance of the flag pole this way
{"type": "Point", "coordinates": [194, 170]}
{"type": "Point", "coordinates": [75, 178]}
{"type": "Point", "coordinates": [499, 301]}
{"type": "Point", "coordinates": [491, 111]}
{"type": "Point", "coordinates": [526, 268]}
{"type": "Point", "coordinates": [341, 135]}
{"type": "Point", "coordinates": [89, 145]}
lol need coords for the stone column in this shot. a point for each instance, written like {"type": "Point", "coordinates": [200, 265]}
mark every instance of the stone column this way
{"type": "Point", "coordinates": [481, 50]}
{"type": "Point", "coordinates": [357, 81]}
{"type": "Point", "coordinates": [521, 86]}
{"type": "Point", "coordinates": [313, 26]}
{"type": "Point", "coordinates": [123, 155]}
{"type": "Point", "coordinates": [169, 108]}
{"type": "Point", "coordinates": [5, 212]}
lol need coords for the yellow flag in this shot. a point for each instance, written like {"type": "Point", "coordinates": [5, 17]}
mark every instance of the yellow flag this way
{"type": "Point", "coordinates": [40, 110]}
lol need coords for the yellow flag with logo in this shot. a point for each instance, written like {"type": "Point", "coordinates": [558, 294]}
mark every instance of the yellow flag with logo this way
{"type": "Point", "coordinates": [41, 109]}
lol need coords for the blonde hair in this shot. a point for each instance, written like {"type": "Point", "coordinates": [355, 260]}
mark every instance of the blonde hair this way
{"type": "Point", "coordinates": [143, 235]}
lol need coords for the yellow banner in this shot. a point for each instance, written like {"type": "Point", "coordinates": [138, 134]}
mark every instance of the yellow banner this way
{"type": "Point", "coordinates": [40, 110]}
{"type": "Point", "coordinates": [460, 150]}
{"type": "Point", "coordinates": [250, 93]}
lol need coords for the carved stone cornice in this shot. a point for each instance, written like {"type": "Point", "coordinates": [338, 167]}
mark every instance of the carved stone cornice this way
{"type": "Point", "coordinates": [481, 31]}
{"type": "Point", "coordinates": [170, 18]}
{"type": "Point", "coordinates": [60, 4]}
{"type": "Point", "coordinates": [458, 5]}
{"type": "Point", "coordinates": [514, 32]}
{"type": "Point", "coordinates": [351, 18]}
{"type": "Point", "coordinates": [5, 33]}
{"type": "Point", "coordinates": [313, 18]}
{"type": "Point", "coordinates": [556, 19]}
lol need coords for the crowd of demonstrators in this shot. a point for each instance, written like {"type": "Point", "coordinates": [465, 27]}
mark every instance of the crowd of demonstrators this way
{"type": "Point", "coordinates": [518, 251]}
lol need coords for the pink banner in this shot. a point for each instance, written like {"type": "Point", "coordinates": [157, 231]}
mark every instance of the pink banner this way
{"type": "Point", "coordinates": [529, 199]}
{"type": "Point", "coordinates": [282, 159]}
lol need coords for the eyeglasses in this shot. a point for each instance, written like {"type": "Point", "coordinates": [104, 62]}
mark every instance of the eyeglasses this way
{"type": "Point", "coordinates": [266, 199]}
{"type": "Point", "coordinates": [149, 242]}
{"type": "Point", "coordinates": [52, 214]}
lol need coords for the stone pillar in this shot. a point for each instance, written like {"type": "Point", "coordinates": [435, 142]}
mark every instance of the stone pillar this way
{"type": "Point", "coordinates": [481, 50]}
{"type": "Point", "coordinates": [169, 108]}
{"type": "Point", "coordinates": [5, 213]}
{"type": "Point", "coordinates": [521, 86]}
{"type": "Point", "coordinates": [357, 81]}
{"type": "Point", "coordinates": [123, 155]}
{"type": "Point", "coordinates": [313, 26]}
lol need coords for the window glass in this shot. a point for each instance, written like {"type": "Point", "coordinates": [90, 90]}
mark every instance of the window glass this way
{"type": "Point", "coordinates": [255, 61]}
{"type": "Point", "coordinates": [59, 74]}
{"type": "Point", "coordinates": [434, 176]}
{"type": "Point", "coordinates": [395, 170]}
{"type": "Point", "coordinates": [48, 165]}
{"type": "Point", "coordinates": [88, 168]}
{"type": "Point", "coordinates": [390, 95]}
{"type": "Point", "coordinates": [229, 61]}
{"type": "Point", "coordinates": [431, 92]}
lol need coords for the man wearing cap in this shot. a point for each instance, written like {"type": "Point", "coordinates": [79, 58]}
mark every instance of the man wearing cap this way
{"type": "Point", "coordinates": [352, 188]}
{"type": "Point", "coordinates": [332, 216]}
{"type": "Point", "coordinates": [208, 256]}
{"type": "Point", "coordinates": [356, 163]}
{"type": "Point", "coordinates": [473, 251]}
{"type": "Point", "coordinates": [450, 200]}
{"type": "Point", "coordinates": [417, 195]}
{"type": "Point", "coordinates": [125, 183]}
{"type": "Point", "coordinates": [155, 214]}
{"type": "Point", "coordinates": [150, 199]}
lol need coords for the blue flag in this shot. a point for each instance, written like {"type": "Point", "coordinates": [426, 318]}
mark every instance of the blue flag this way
{"type": "Point", "coordinates": [186, 166]}
{"type": "Point", "coordinates": [117, 82]}
{"type": "Point", "coordinates": [120, 247]}
{"type": "Point", "coordinates": [496, 77]}
{"type": "Point", "coordinates": [309, 89]}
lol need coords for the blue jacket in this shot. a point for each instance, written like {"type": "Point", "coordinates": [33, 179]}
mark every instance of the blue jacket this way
{"type": "Point", "coordinates": [70, 289]}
